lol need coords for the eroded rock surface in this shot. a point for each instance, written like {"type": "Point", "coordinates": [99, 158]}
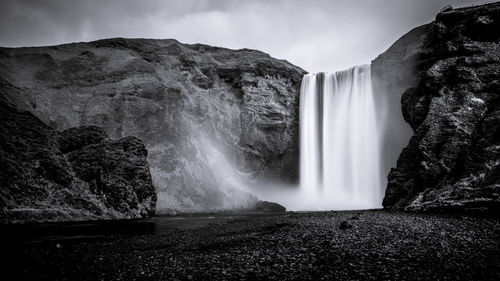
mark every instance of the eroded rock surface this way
{"type": "Point", "coordinates": [453, 159]}
{"type": "Point", "coordinates": [215, 121]}
{"type": "Point", "coordinates": [79, 174]}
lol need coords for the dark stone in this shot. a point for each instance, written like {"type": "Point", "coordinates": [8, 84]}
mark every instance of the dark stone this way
{"type": "Point", "coordinates": [76, 138]}
{"type": "Point", "coordinates": [345, 225]}
{"type": "Point", "coordinates": [98, 178]}
{"type": "Point", "coordinates": [265, 206]}
{"type": "Point", "coordinates": [451, 162]}
{"type": "Point", "coordinates": [119, 171]}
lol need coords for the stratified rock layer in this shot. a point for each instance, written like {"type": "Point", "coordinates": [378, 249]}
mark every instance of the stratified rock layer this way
{"type": "Point", "coordinates": [453, 159]}
{"type": "Point", "coordinates": [215, 121]}
{"type": "Point", "coordinates": [79, 174]}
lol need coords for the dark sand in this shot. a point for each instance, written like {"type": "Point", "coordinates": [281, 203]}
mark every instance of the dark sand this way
{"type": "Point", "coordinates": [287, 246]}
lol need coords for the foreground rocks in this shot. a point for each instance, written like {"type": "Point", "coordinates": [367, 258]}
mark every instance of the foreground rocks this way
{"type": "Point", "coordinates": [286, 246]}
{"type": "Point", "coordinates": [215, 121]}
{"type": "Point", "coordinates": [452, 161]}
{"type": "Point", "coordinates": [79, 174]}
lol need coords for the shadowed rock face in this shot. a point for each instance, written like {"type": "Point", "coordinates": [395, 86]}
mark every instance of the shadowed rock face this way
{"type": "Point", "coordinates": [214, 120]}
{"type": "Point", "coordinates": [79, 174]}
{"type": "Point", "coordinates": [393, 72]}
{"type": "Point", "coordinates": [452, 160]}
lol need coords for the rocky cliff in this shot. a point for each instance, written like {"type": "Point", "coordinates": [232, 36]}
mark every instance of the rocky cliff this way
{"type": "Point", "coordinates": [452, 161]}
{"type": "Point", "coordinates": [79, 174]}
{"type": "Point", "coordinates": [216, 122]}
{"type": "Point", "coordinates": [393, 72]}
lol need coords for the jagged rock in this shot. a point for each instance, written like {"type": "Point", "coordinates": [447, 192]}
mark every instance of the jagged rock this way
{"type": "Point", "coordinates": [78, 174]}
{"type": "Point", "coordinates": [118, 170]}
{"type": "Point", "coordinates": [212, 119]}
{"type": "Point", "coordinates": [452, 160]}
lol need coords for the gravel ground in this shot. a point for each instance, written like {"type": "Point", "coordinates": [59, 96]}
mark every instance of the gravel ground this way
{"type": "Point", "coordinates": [364, 245]}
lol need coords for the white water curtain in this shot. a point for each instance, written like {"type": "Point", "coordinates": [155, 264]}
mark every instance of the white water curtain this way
{"type": "Point", "coordinates": [339, 141]}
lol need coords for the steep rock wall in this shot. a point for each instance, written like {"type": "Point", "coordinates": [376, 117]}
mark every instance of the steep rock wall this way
{"type": "Point", "coordinates": [393, 72]}
{"type": "Point", "coordinates": [452, 161]}
{"type": "Point", "coordinates": [215, 121]}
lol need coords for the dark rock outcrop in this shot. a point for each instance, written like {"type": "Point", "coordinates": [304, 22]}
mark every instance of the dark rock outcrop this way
{"type": "Point", "coordinates": [79, 174]}
{"type": "Point", "coordinates": [266, 206]}
{"type": "Point", "coordinates": [453, 159]}
{"type": "Point", "coordinates": [214, 120]}
{"type": "Point", "coordinates": [76, 138]}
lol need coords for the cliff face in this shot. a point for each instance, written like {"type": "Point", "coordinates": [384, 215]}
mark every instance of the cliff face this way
{"type": "Point", "coordinates": [214, 120]}
{"type": "Point", "coordinates": [393, 72]}
{"type": "Point", "coordinates": [79, 174]}
{"type": "Point", "coordinates": [453, 159]}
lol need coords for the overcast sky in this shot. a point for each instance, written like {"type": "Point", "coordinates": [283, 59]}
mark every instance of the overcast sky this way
{"type": "Point", "coordinates": [317, 35]}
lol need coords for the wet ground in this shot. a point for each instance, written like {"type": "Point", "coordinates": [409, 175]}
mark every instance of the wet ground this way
{"type": "Point", "coordinates": [366, 245]}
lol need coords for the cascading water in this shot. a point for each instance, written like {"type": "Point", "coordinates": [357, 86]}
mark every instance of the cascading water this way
{"type": "Point", "coordinates": [339, 141]}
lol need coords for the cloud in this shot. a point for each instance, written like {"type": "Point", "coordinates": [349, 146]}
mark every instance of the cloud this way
{"type": "Point", "coordinates": [317, 35]}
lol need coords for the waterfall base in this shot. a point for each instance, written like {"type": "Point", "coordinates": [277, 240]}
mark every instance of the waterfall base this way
{"type": "Point", "coordinates": [300, 199]}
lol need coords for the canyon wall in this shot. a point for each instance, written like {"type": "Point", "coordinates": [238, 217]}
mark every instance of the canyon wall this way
{"type": "Point", "coordinates": [216, 122]}
{"type": "Point", "coordinates": [452, 161]}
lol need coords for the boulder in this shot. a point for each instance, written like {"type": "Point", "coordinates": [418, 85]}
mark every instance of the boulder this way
{"type": "Point", "coordinates": [265, 206]}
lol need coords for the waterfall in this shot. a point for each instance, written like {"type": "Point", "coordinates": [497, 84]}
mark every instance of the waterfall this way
{"type": "Point", "coordinates": [339, 141]}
